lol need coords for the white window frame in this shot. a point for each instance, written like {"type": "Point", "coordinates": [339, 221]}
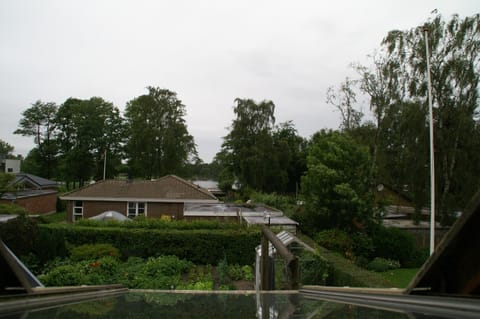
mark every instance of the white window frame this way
{"type": "Point", "coordinates": [77, 209]}
{"type": "Point", "coordinates": [138, 209]}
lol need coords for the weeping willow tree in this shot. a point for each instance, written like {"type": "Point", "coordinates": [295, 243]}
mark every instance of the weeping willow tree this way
{"type": "Point", "coordinates": [397, 86]}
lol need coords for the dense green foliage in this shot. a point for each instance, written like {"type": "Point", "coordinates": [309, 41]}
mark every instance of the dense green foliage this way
{"type": "Point", "coordinates": [24, 238]}
{"type": "Point", "coordinates": [5, 183]}
{"type": "Point", "coordinates": [94, 251]}
{"type": "Point", "coordinates": [335, 187]}
{"type": "Point", "coordinates": [159, 142]}
{"type": "Point", "coordinates": [397, 85]}
{"type": "Point", "coordinates": [314, 269]}
{"type": "Point", "coordinates": [9, 209]}
{"type": "Point", "coordinates": [335, 239]}
{"type": "Point", "coordinates": [396, 244]}
{"type": "Point", "coordinates": [87, 131]}
{"type": "Point", "coordinates": [199, 246]}
{"type": "Point", "coordinates": [39, 121]}
{"type": "Point", "coordinates": [258, 155]}
{"type": "Point", "coordinates": [346, 273]}
{"type": "Point", "coordinates": [391, 244]}
{"type": "Point", "coordinates": [285, 203]}
{"type": "Point", "coordinates": [5, 149]}
{"type": "Point", "coordinates": [18, 233]}
{"type": "Point", "coordinates": [101, 264]}
{"type": "Point", "coordinates": [73, 139]}
{"type": "Point", "coordinates": [163, 272]}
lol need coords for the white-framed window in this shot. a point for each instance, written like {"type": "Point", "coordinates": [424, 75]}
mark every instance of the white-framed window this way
{"type": "Point", "coordinates": [135, 209]}
{"type": "Point", "coordinates": [77, 210]}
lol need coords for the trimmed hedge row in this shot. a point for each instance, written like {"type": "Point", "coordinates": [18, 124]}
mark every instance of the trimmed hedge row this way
{"type": "Point", "coordinates": [157, 223]}
{"type": "Point", "coordinates": [199, 246]}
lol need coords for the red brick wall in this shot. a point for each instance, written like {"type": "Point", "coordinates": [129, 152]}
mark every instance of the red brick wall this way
{"type": "Point", "coordinates": [41, 204]}
{"type": "Point", "coordinates": [174, 210]}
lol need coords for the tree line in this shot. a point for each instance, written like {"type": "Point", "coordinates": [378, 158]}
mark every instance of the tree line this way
{"type": "Point", "coordinates": [73, 139]}
{"type": "Point", "coordinates": [337, 171]}
{"type": "Point", "coordinates": [334, 171]}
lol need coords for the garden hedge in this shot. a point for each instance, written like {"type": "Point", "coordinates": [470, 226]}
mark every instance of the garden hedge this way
{"type": "Point", "coordinates": [199, 246]}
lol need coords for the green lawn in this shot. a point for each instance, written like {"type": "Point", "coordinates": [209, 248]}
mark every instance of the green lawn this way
{"type": "Point", "coordinates": [400, 278]}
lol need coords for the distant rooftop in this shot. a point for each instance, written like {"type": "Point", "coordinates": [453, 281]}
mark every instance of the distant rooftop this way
{"type": "Point", "coordinates": [230, 208]}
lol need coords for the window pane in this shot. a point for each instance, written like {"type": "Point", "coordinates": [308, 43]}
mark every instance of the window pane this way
{"type": "Point", "coordinates": [141, 208]}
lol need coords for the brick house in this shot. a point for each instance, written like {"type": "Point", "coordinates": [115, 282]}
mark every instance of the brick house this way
{"type": "Point", "coordinates": [36, 194]}
{"type": "Point", "coordinates": [165, 196]}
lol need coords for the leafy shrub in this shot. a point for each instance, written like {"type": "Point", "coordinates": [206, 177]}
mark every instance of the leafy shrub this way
{"type": "Point", "coordinates": [32, 262]}
{"type": "Point", "coordinates": [418, 258]}
{"type": "Point", "coordinates": [247, 272]}
{"type": "Point", "coordinates": [222, 270]}
{"type": "Point", "coordinates": [198, 285]}
{"type": "Point", "coordinates": [314, 269]}
{"type": "Point", "coordinates": [130, 273]}
{"type": "Point", "coordinates": [393, 243]}
{"type": "Point", "coordinates": [9, 209]}
{"type": "Point", "coordinates": [362, 246]}
{"type": "Point", "coordinates": [64, 275]}
{"type": "Point", "coordinates": [94, 251]}
{"type": "Point", "coordinates": [235, 272]}
{"type": "Point", "coordinates": [335, 240]}
{"type": "Point", "coordinates": [162, 272]}
{"type": "Point", "coordinates": [166, 266]}
{"type": "Point", "coordinates": [91, 272]}
{"type": "Point", "coordinates": [381, 264]}
{"type": "Point", "coordinates": [20, 234]}
{"type": "Point", "coordinates": [156, 273]}
{"type": "Point", "coordinates": [166, 218]}
{"type": "Point", "coordinates": [361, 261]}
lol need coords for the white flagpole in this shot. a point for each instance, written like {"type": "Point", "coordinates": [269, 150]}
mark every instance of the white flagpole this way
{"type": "Point", "coordinates": [432, 157]}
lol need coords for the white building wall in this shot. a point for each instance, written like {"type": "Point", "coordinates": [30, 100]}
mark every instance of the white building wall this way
{"type": "Point", "coordinates": [12, 166]}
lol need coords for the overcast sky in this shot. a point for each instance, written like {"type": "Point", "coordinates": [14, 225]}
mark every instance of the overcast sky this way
{"type": "Point", "coordinates": [208, 52]}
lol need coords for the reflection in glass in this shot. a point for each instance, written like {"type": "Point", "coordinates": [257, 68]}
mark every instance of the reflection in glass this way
{"type": "Point", "coordinates": [220, 305]}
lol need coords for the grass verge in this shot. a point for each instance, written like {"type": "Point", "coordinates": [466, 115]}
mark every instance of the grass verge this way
{"type": "Point", "coordinates": [400, 278]}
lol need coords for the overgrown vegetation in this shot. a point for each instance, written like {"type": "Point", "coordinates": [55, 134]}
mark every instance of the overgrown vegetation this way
{"type": "Point", "coordinates": [101, 264]}
{"type": "Point", "coordinates": [378, 248]}
{"type": "Point", "coordinates": [346, 273]}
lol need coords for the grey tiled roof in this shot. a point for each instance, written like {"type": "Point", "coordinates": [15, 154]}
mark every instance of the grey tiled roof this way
{"type": "Point", "coordinates": [35, 181]}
